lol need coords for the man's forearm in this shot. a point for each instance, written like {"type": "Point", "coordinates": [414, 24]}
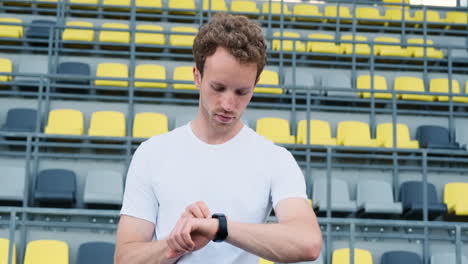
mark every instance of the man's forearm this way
{"type": "Point", "coordinates": [153, 252]}
{"type": "Point", "coordinates": [285, 242]}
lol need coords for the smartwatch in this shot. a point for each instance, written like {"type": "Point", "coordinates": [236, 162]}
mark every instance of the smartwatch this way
{"type": "Point", "coordinates": [222, 232]}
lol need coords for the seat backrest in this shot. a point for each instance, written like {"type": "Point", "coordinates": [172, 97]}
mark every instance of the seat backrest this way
{"type": "Point", "coordinates": [456, 17]}
{"type": "Point", "coordinates": [447, 258]}
{"type": "Point", "coordinates": [441, 85]}
{"type": "Point", "coordinates": [364, 82]}
{"type": "Point", "coordinates": [218, 5]}
{"type": "Point", "coordinates": [400, 257]}
{"type": "Point", "coordinates": [374, 191]}
{"type": "Point", "coordinates": [46, 251]}
{"type": "Point", "coordinates": [405, 83]}
{"type": "Point", "coordinates": [268, 77]}
{"type": "Point", "coordinates": [352, 130]}
{"type": "Point", "coordinates": [342, 256]}
{"type": "Point", "coordinates": [4, 248]}
{"type": "Point", "coordinates": [183, 73]}
{"type": "Point", "coordinates": [117, 70]}
{"type": "Point", "coordinates": [271, 126]}
{"type": "Point", "coordinates": [332, 11]}
{"type": "Point", "coordinates": [12, 179]}
{"type": "Point", "coordinates": [96, 252]}
{"type": "Point", "coordinates": [431, 15]}
{"type": "Point", "coordinates": [275, 8]}
{"type": "Point", "coordinates": [385, 133]}
{"type": "Point", "coordinates": [318, 130]}
{"type": "Point", "coordinates": [66, 118]}
{"type": "Point", "coordinates": [108, 120]}
{"type": "Point", "coordinates": [368, 12]}
{"type": "Point", "coordinates": [150, 124]}
{"type": "Point", "coordinates": [79, 24]}
{"type": "Point", "coordinates": [244, 6]}
{"type": "Point", "coordinates": [21, 120]}
{"type": "Point", "coordinates": [74, 68]}
{"type": "Point", "coordinates": [339, 191]}
{"type": "Point", "coordinates": [431, 134]}
{"type": "Point", "coordinates": [98, 178]}
{"type": "Point", "coordinates": [455, 193]}
{"type": "Point", "coordinates": [411, 192]}
{"type": "Point", "coordinates": [116, 26]}
{"type": "Point", "coordinates": [56, 180]}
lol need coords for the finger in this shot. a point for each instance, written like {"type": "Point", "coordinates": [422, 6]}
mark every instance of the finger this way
{"type": "Point", "coordinates": [175, 236]}
{"type": "Point", "coordinates": [185, 232]}
{"type": "Point", "coordinates": [204, 208]}
{"type": "Point", "coordinates": [173, 254]}
{"type": "Point", "coordinates": [179, 235]}
{"type": "Point", "coordinates": [196, 211]}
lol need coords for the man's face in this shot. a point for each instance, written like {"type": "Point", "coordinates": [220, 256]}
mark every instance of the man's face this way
{"type": "Point", "coordinates": [225, 89]}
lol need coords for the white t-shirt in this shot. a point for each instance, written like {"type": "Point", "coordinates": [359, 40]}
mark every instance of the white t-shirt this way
{"type": "Point", "coordinates": [242, 178]}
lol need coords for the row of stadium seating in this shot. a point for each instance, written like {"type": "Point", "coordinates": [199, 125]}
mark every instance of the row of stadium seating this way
{"type": "Point", "coordinates": [57, 252]}
{"type": "Point", "coordinates": [145, 125]}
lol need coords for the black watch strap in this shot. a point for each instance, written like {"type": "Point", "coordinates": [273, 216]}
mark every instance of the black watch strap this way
{"type": "Point", "coordinates": [222, 232]}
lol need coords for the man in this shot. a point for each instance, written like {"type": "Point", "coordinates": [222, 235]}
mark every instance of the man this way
{"type": "Point", "coordinates": [215, 164]}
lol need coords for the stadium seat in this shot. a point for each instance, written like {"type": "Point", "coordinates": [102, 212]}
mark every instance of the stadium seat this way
{"type": "Point", "coordinates": [112, 70]}
{"type": "Point", "coordinates": [385, 136]}
{"type": "Point", "coordinates": [107, 124]}
{"type": "Point", "coordinates": [146, 125]}
{"type": "Point", "coordinates": [380, 83]}
{"type": "Point", "coordinates": [215, 5]}
{"type": "Point", "coordinates": [331, 12]}
{"type": "Point", "coordinates": [55, 188]}
{"type": "Point", "coordinates": [446, 258]}
{"type": "Point", "coordinates": [77, 34]}
{"type": "Point", "coordinates": [149, 6]}
{"type": "Point", "coordinates": [96, 252]}
{"type": "Point", "coordinates": [276, 11]}
{"type": "Point", "coordinates": [245, 7]}
{"type": "Point", "coordinates": [65, 122]}
{"type": "Point", "coordinates": [376, 198]}
{"type": "Point", "coordinates": [116, 5]}
{"type": "Point", "coordinates": [395, 16]}
{"type": "Point", "coordinates": [95, 196]}
{"type": "Point", "coordinates": [20, 120]}
{"type": "Point", "coordinates": [78, 69]}
{"type": "Point", "coordinates": [441, 85]}
{"type": "Point", "coordinates": [12, 187]}
{"type": "Point", "coordinates": [108, 36]}
{"type": "Point", "coordinates": [40, 30]}
{"type": "Point", "coordinates": [411, 84]}
{"type": "Point", "coordinates": [150, 38]}
{"type": "Point", "coordinates": [176, 7]}
{"type": "Point", "coordinates": [309, 13]}
{"type": "Point", "coordinates": [411, 196]}
{"type": "Point", "coordinates": [319, 133]}
{"type": "Point", "coordinates": [4, 248]}
{"type": "Point", "coordinates": [455, 19]}
{"type": "Point", "coordinates": [318, 46]}
{"type": "Point", "coordinates": [265, 261]}
{"type": "Point", "coordinates": [354, 133]}
{"type": "Point", "coordinates": [369, 15]}
{"type": "Point", "coordinates": [342, 256]}
{"type": "Point", "coordinates": [46, 251]}
{"type": "Point", "coordinates": [432, 136]}
{"type": "Point", "coordinates": [361, 48]}
{"type": "Point", "coordinates": [268, 77]}
{"type": "Point", "coordinates": [150, 71]}
{"type": "Point", "coordinates": [183, 73]}
{"type": "Point", "coordinates": [432, 16]}
{"type": "Point", "coordinates": [418, 52]}
{"type": "Point", "coordinates": [6, 66]}
{"type": "Point", "coordinates": [337, 85]}
{"type": "Point", "coordinates": [276, 130]}
{"type": "Point", "coordinates": [455, 198]}
{"type": "Point", "coordinates": [401, 257]}
{"type": "Point", "coordinates": [11, 31]}
{"type": "Point", "coordinates": [287, 45]}
{"type": "Point", "coordinates": [83, 4]}
{"type": "Point", "coordinates": [177, 40]}
{"type": "Point", "coordinates": [390, 50]}
{"type": "Point", "coordinates": [340, 196]}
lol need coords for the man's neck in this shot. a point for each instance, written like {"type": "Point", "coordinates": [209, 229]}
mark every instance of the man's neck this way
{"type": "Point", "coordinates": [210, 134]}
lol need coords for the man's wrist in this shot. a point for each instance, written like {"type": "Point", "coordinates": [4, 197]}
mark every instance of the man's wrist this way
{"type": "Point", "coordinates": [222, 231]}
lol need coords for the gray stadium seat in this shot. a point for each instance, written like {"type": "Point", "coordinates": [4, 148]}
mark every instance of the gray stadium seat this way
{"type": "Point", "coordinates": [20, 120]}
{"type": "Point", "coordinates": [340, 197]}
{"type": "Point", "coordinates": [96, 252]}
{"type": "Point", "coordinates": [55, 188]}
{"type": "Point", "coordinates": [12, 185]}
{"type": "Point", "coordinates": [400, 257]}
{"type": "Point", "coordinates": [435, 137]}
{"type": "Point", "coordinates": [40, 29]}
{"type": "Point", "coordinates": [411, 194]}
{"type": "Point", "coordinates": [447, 258]}
{"type": "Point", "coordinates": [78, 69]}
{"type": "Point", "coordinates": [96, 196]}
{"type": "Point", "coordinates": [338, 81]}
{"type": "Point", "coordinates": [376, 198]}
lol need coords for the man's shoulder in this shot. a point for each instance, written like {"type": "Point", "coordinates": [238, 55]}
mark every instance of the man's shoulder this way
{"type": "Point", "coordinates": [170, 138]}
{"type": "Point", "coordinates": [264, 145]}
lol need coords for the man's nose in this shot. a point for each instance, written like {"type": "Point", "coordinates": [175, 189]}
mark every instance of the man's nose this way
{"type": "Point", "coordinates": [228, 102]}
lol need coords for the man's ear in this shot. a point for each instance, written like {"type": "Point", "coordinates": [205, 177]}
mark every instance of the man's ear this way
{"type": "Point", "coordinates": [197, 77]}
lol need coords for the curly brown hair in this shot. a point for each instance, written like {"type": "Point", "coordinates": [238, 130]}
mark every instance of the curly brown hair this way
{"type": "Point", "coordinates": [241, 37]}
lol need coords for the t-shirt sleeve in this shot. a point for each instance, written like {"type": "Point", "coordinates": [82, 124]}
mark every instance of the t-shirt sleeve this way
{"type": "Point", "coordinates": [287, 179]}
{"type": "Point", "coordinates": [139, 198]}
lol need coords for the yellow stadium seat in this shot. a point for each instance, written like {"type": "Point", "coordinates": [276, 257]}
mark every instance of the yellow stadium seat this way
{"type": "Point", "coordinates": [114, 36]}
{"type": "Point", "coordinates": [318, 46]}
{"type": "Point", "coordinates": [432, 16]}
{"type": "Point", "coordinates": [84, 4]}
{"type": "Point", "coordinates": [363, 82]}
{"type": "Point", "coordinates": [245, 7]}
{"type": "Point", "coordinates": [11, 31]}
{"type": "Point", "coordinates": [342, 256]}
{"type": "Point", "coordinates": [65, 122]}
{"type": "Point", "coordinates": [150, 71]}
{"type": "Point", "coordinates": [268, 77]}
{"type": "Point", "coordinates": [418, 52]}
{"type": "Point", "coordinates": [46, 251]}
{"type": "Point", "coordinates": [107, 124]}
{"type": "Point", "coordinates": [311, 13]}
{"type": "Point", "coordinates": [369, 15]}
{"type": "Point", "coordinates": [276, 130]}
{"type": "Point", "coordinates": [456, 18]}
{"type": "Point", "coordinates": [463, 99]}
{"type": "Point", "coordinates": [276, 10]}
{"type": "Point", "coordinates": [6, 66]}
{"type": "Point", "coordinates": [176, 7]}
{"type": "Point", "coordinates": [384, 136]}
{"type": "Point", "coordinates": [390, 50]}
{"type": "Point", "coordinates": [147, 125]}
{"type": "Point", "coordinates": [395, 15]}
{"type": "Point", "coordinates": [361, 48]}
{"type": "Point", "coordinates": [182, 40]}
{"type": "Point", "coordinates": [112, 70]}
{"type": "Point", "coordinates": [116, 5]}
{"type": "Point", "coordinates": [441, 85]}
{"type": "Point", "coordinates": [149, 38]}
{"type": "Point", "coordinates": [149, 6]}
{"type": "Point", "coordinates": [332, 13]}
{"type": "Point", "coordinates": [319, 133]}
{"type": "Point", "coordinates": [354, 133]}
{"type": "Point", "coordinates": [4, 247]}
{"type": "Point", "coordinates": [47, 3]}
{"type": "Point", "coordinates": [183, 73]}
{"type": "Point", "coordinates": [411, 84]}
{"type": "Point", "coordinates": [455, 198]}
{"type": "Point", "coordinates": [76, 34]}
{"type": "Point", "coordinates": [215, 5]}
{"type": "Point", "coordinates": [287, 44]}
{"type": "Point", "coordinates": [398, 3]}
{"type": "Point", "coordinates": [264, 261]}
{"type": "Point", "coordinates": [17, 3]}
